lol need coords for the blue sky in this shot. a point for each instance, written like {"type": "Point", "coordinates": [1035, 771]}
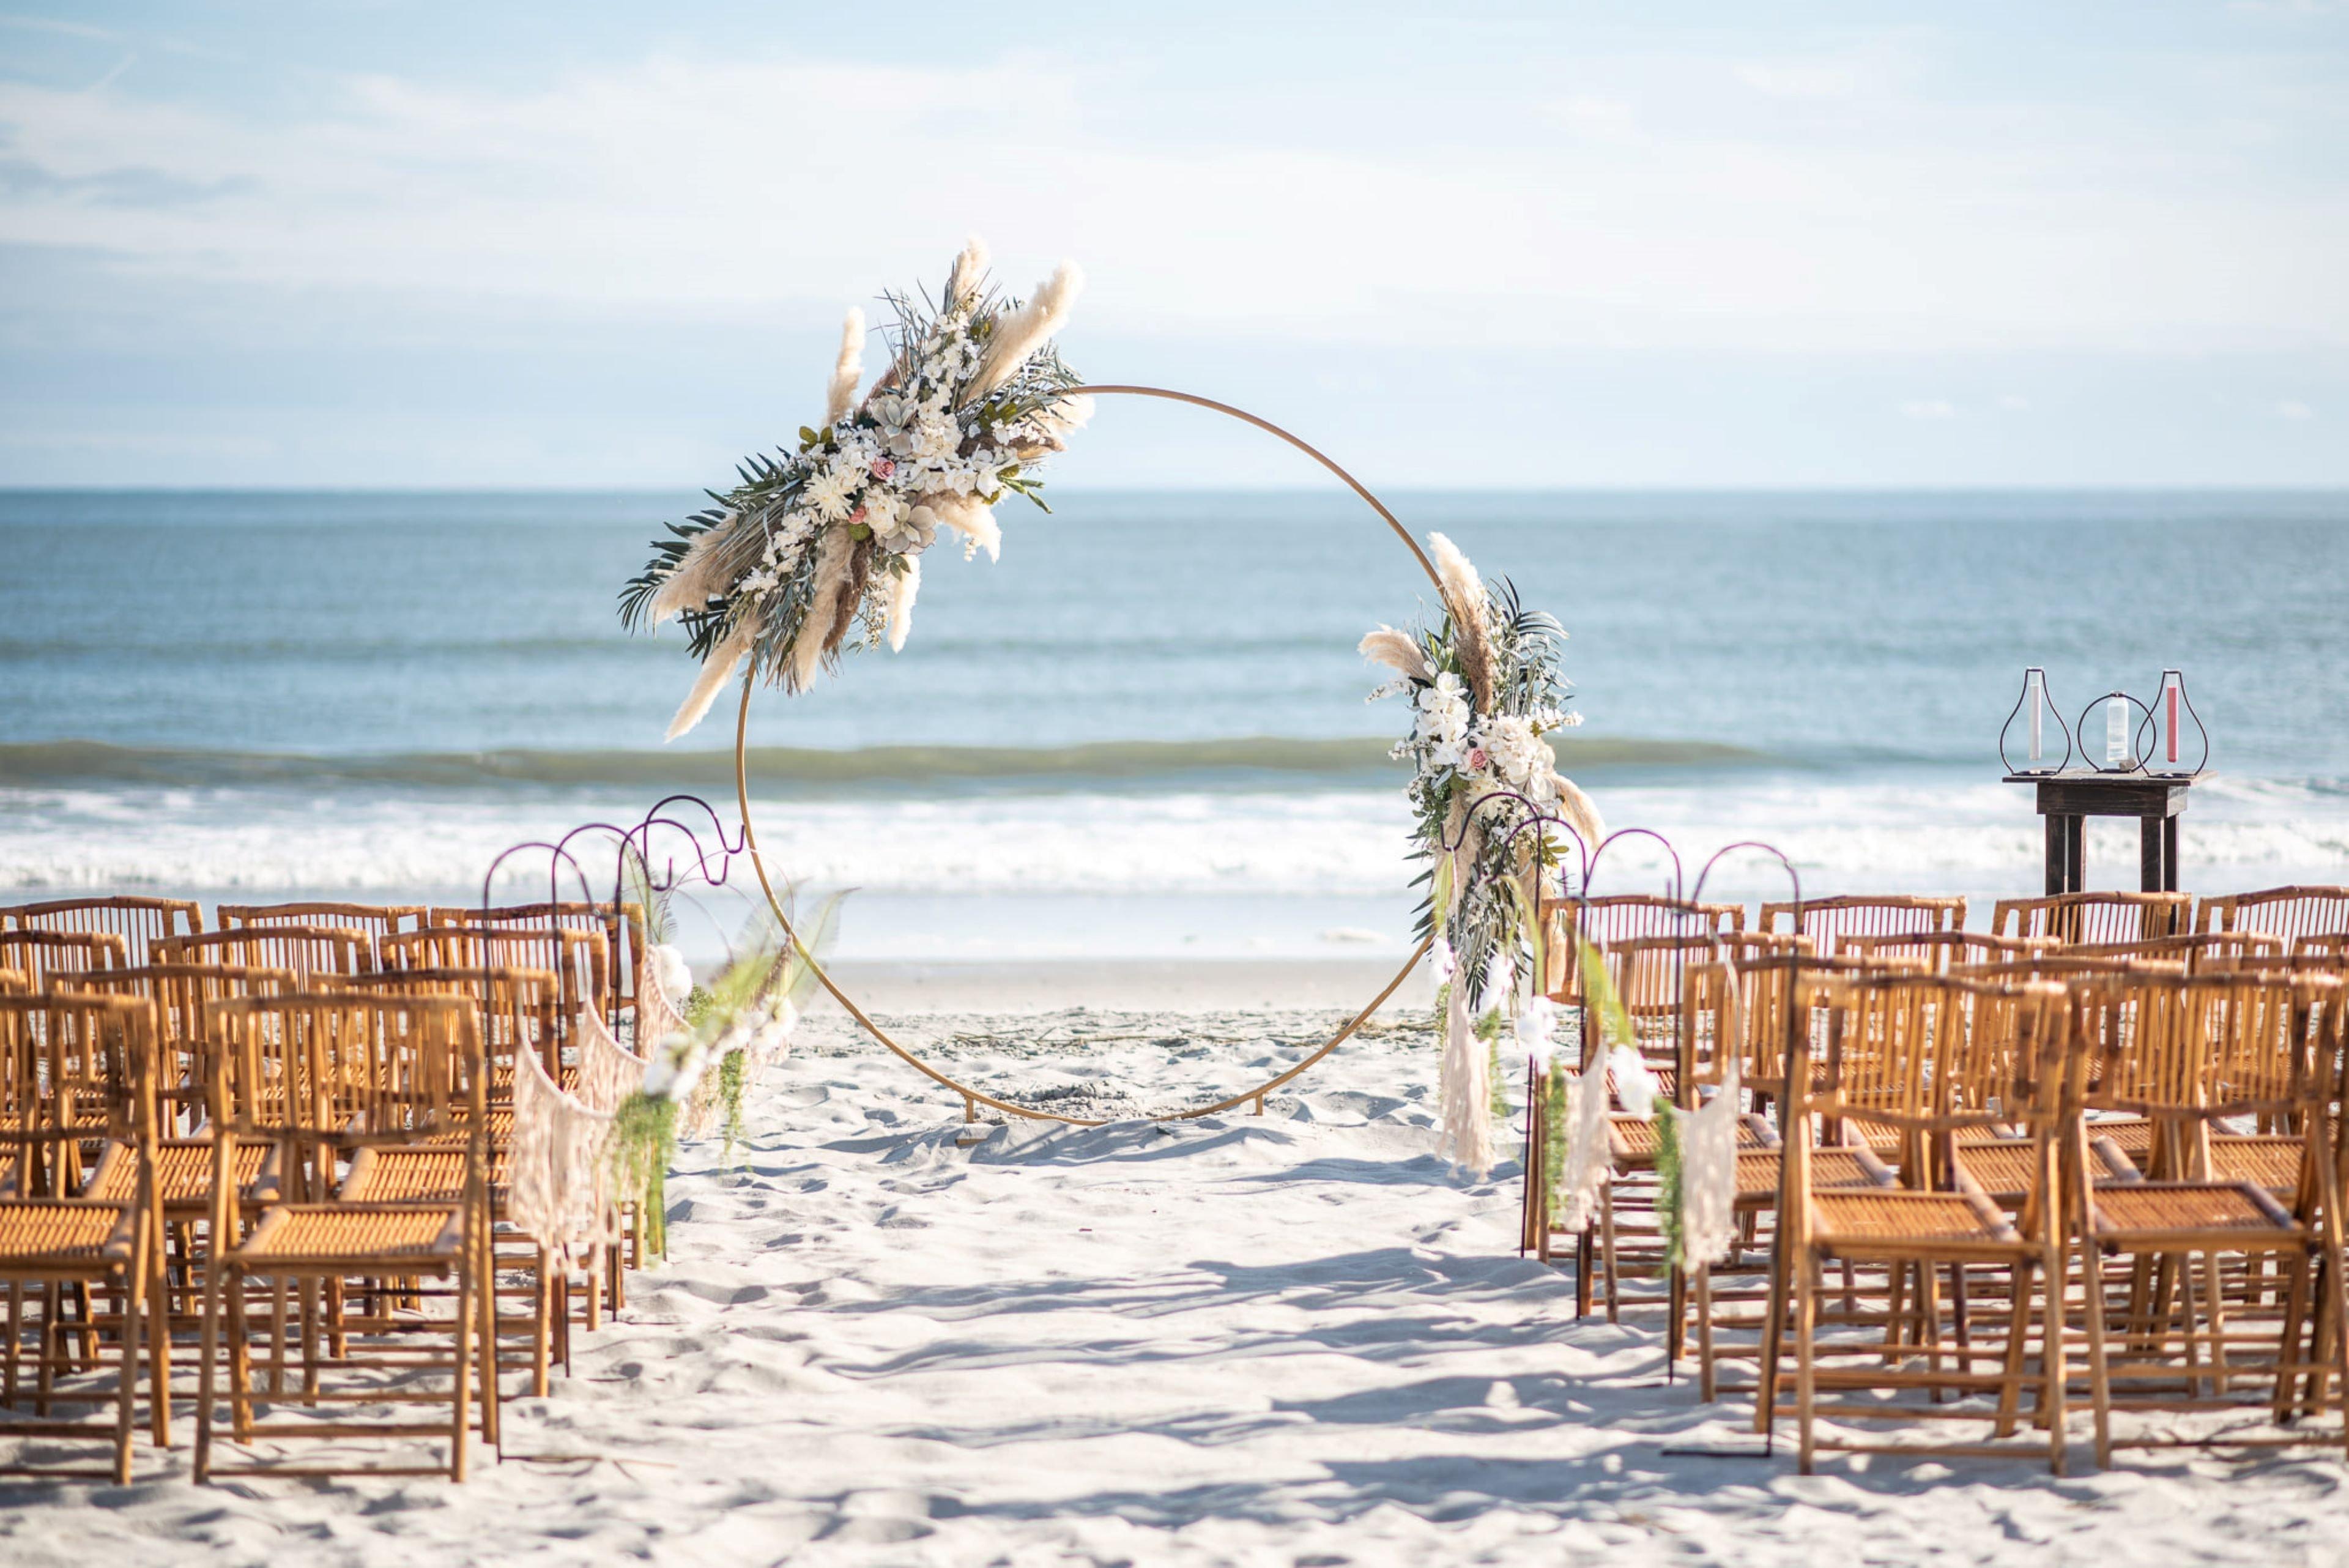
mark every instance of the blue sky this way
{"type": "Point", "coordinates": [1503, 245]}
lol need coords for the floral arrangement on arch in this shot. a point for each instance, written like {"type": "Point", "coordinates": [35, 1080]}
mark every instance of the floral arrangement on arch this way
{"type": "Point", "coordinates": [825, 538]}
{"type": "Point", "coordinates": [1485, 692]}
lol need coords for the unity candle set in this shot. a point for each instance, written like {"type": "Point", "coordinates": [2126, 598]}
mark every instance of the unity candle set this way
{"type": "Point", "coordinates": [2127, 782]}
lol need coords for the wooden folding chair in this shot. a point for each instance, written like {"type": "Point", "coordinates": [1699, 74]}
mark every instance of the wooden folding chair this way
{"type": "Point", "coordinates": [2197, 1057]}
{"type": "Point", "coordinates": [577, 959]}
{"type": "Point", "coordinates": [1898, 1047]}
{"type": "Point", "coordinates": [319, 955]}
{"type": "Point", "coordinates": [136, 920]}
{"type": "Point", "coordinates": [327, 1075]}
{"type": "Point", "coordinates": [2074, 918]}
{"type": "Point", "coordinates": [71, 1068]}
{"type": "Point", "coordinates": [48, 958]}
{"type": "Point", "coordinates": [614, 973]}
{"type": "Point", "coordinates": [1939, 952]}
{"type": "Point", "coordinates": [2286, 913]}
{"type": "Point", "coordinates": [376, 920]}
{"type": "Point", "coordinates": [1828, 922]}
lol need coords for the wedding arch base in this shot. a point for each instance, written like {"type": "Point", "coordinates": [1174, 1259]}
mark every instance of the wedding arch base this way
{"type": "Point", "coordinates": [973, 1098]}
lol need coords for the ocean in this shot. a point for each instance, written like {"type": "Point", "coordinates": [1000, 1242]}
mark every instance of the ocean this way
{"type": "Point", "coordinates": [1143, 732]}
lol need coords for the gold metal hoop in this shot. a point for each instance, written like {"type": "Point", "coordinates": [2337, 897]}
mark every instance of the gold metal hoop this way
{"type": "Point", "coordinates": [973, 1098]}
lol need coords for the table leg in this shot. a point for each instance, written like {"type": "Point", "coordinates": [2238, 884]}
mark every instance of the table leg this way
{"type": "Point", "coordinates": [2169, 855]}
{"type": "Point", "coordinates": [2150, 874]}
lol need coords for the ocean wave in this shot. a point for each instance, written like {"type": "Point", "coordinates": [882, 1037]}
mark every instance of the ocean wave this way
{"type": "Point", "coordinates": [60, 762]}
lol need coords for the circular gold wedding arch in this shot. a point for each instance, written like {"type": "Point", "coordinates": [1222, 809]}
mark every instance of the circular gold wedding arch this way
{"type": "Point", "coordinates": [973, 1098]}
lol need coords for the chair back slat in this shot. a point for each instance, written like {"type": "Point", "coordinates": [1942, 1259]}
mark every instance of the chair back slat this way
{"type": "Point", "coordinates": [1940, 952]}
{"type": "Point", "coordinates": [376, 920]}
{"type": "Point", "coordinates": [314, 953]}
{"type": "Point", "coordinates": [138, 920]}
{"type": "Point", "coordinates": [520, 1012]}
{"type": "Point", "coordinates": [2288, 913]}
{"type": "Point", "coordinates": [326, 1073]}
{"type": "Point", "coordinates": [1829, 921]}
{"type": "Point", "coordinates": [74, 1069]}
{"type": "Point", "coordinates": [181, 992]}
{"type": "Point", "coordinates": [45, 958]}
{"type": "Point", "coordinates": [2094, 917]}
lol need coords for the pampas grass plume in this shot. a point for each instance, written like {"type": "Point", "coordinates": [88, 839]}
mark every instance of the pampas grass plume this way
{"type": "Point", "coordinates": [840, 396]}
{"type": "Point", "coordinates": [902, 590]}
{"type": "Point", "coordinates": [716, 671]}
{"type": "Point", "coordinates": [832, 553]}
{"type": "Point", "coordinates": [1464, 594]}
{"type": "Point", "coordinates": [970, 271]}
{"type": "Point", "coordinates": [1397, 651]}
{"type": "Point", "coordinates": [1020, 333]}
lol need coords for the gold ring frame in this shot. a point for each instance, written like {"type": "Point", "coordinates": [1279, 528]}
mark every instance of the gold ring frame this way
{"type": "Point", "coordinates": [973, 1098]}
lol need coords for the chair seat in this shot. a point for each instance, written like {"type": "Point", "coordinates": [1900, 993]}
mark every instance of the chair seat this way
{"type": "Point", "coordinates": [499, 1123]}
{"type": "Point", "coordinates": [434, 1176]}
{"type": "Point", "coordinates": [1758, 1169]}
{"type": "Point", "coordinates": [65, 1233]}
{"type": "Point", "coordinates": [1633, 1141]}
{"type": "Point", "coordinates": [2217, 1215]}
{"type": "Point", "coordinates": [2006, 1169]}
{"type": "Point", "coordinates": [2270, 1161]}
{"type": "Point", "coordinates": [296, 1234]}
{"type": "Point", "coordinates": [184, 1173]}
{"type": "Point", "coordinates": [2133, 1135]}
{"type": "Point", "coordinates": [1898, 1218]}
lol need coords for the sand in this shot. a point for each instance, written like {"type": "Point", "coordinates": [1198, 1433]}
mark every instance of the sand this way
{"type": "Point", "coordinates": [1299, 1339]}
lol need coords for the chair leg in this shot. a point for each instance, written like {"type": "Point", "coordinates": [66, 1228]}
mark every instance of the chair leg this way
{"type": "Point", "coordinates": [15, 1335]}
{"type": "Point", "coordinates": [1606, 1252]}
{"type": "Point", "coordinates": [2010, 1386]}
{"type": "Point", "coordinates": [2100, 1388]}
{"type": "Point", "coordinates": [1765, 1405]}
{"type": "Point", "coordinates": [1707, 1384]}
{"type": "Point", "coordinates": [126, 1383]}
{"type": "Point", "coordinates": [459, 1412]}
{"type": "Point", "coordinates": [1805, 1361]}
{"type": "Point", "coordinates": [52, 1344]}
{"type": "Point", "coordinates": [542, 1329]}
{"type": "Point", "coordinates": [207, 1353]}
{"type": "Point", "coordinates": [2054, 1371]}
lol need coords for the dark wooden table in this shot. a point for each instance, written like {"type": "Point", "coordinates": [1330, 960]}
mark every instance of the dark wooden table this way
{"type": "Point", "coordinates": [2068, 799]}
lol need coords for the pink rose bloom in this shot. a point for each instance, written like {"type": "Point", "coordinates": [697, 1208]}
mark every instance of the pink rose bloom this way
{"type": "Point", "coordinates": [857, 515]}
{"type": "Point", "coordinates": [1476, 759]}
{"type": "Point", "coordinates": [882, 468]}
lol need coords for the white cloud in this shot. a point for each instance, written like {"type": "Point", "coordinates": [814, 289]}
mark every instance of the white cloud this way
{"type": "Point", "coordinates": [1634, 209]}
{"type": "Point", "coordinates": [1929, 409]}
{"type": "Point", "coordinates": [2013, 403]}
{"type": "Point", "coordinates": [2295, 411]}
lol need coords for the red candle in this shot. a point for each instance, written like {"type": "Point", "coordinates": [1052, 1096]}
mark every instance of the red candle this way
{"type": "Point", "coordinates": [2169, 721]}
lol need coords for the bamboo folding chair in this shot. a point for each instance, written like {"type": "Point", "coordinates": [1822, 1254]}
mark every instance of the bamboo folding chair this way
{"type": "Point", "coordinates": [327, 1077]}
{"type": "Point", "coordinates": [1897, 1048]}
{"type": "Point", "coordinates": [623, 955]}
{"type": "Point", "coordinates": [318, 955]}
{"type": "Point", "coordinates": [1747, 1036]}
{"type": "Point", "coordinates": [47, 958]}
{"type": "Point", "coordinates": [71, 1067]}
{"type": "Point", "coordinates": [2196, 1056]}
{"type": "Point", "coordinates": [376, 920]}
{"type": "Point", "coordinates": [520, 1016]}
{"type": "Point", "coordinates": [2197, 951]}
{"type": "Point", "coordinates": [136, 920]}
{"type": "Point", "coordinates": [2074, 918]}
{"type": "Point", "coordinates": [183, 1153]}
{"type": "Point", "coordinates": [2288, 913]}
{"type": "Point", "coordinates": [577, 959]}
{"type": "Point", "coordinates": [1828, 922]}
{"type": "Point", "coordinates": [13, 981]}
{"type": "Point", "coordinates": [1940, 952]}
{"type": "Point", "coordinates": [1619, 916]}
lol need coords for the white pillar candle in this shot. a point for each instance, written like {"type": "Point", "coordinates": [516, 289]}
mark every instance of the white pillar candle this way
{"type": "Point", "coordinates": [2116, 735]}
{"type": "Point", "coordinates": [2035, 693]}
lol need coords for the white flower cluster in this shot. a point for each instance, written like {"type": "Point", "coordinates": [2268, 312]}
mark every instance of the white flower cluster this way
{"type": "Point", "coordinates": [681, 1058]}
{"type": "Point", "coordinates": [1501, 750]}
{"type": "Point", "coordinates": [909, 464]}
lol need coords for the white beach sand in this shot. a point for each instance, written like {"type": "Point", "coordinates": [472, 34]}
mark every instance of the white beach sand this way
{"type": "Point", "coordinates": [1292, 1340]}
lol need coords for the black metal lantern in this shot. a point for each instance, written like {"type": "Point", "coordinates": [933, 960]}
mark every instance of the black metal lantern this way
{"type": "Point", "coordinates": [2121, 732]}
{"type": "Point", "coordinates": [2034, 708]}
{"type": "Point", "coordinates": [2164, 730]}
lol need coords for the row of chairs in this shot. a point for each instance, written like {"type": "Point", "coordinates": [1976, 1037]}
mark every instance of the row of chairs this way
{"type": "Point", "coordinates": [320, 1185]}
{"type": "Point", "coordinates": [598, 951]}
{"type": "Point", "coordinates": [1822, 1129]}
